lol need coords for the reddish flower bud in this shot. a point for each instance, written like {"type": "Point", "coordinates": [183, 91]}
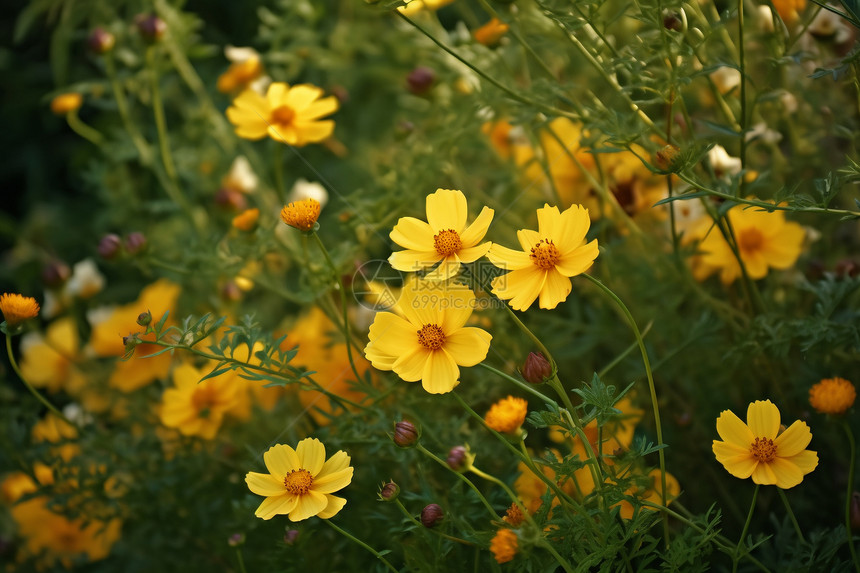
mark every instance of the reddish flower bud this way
{"type": "Point", "coordinates": [431, 515]}
{"type": "Point", "coordinates": [55, 273]}
{"type": "Point", "coordinates": [230, 199]}
{"type": "Point", "coordinates": [151, 27]}
{"type": "Point", "coordinates": [109, 246]}
{"type": "Point", "coordinates": [536, 368]}
{"type": "Point", "coordinates": [457, 458]}
{"type": "Point", "coordinates": [290, 536]}
{"type": "Point", "coordinates": [405, 434]}
{"type": "Point", "coordinates": [666, 157]}
{"type": "Point", "coordinates": [144, 318]}
{"type": "Point", "coordinates": [389, 491]}
{"type": "Point", "coordinates": [135, 242]}
{"type": "Point", "coordinates": [420, 80]}
{"type": "Point", "coordinates": [101, 41]}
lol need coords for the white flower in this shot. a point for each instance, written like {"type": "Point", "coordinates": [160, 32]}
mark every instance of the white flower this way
{"type": "Point", "coordinates": [726, 79]}
{"type": "Point", "coordinates": [303, 189]}
{"type": "Point", "coordinates": [722, 162]}
{"type": "Point", "coordinates": [86, 280]}
{"type": "Point", "coordinates": [241, 177]}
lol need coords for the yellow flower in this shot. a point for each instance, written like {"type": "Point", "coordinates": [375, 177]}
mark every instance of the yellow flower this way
{"type": "Point", "coordinates": [490, 33]}
{"type": "Point", "coordinates": [247, 219]}
{"type": "Point", "coordinates": [48, 361]}
{"type": "Point", "coordinates": [242, 72]}
{"type": "Point", "coordinates": [789, 10]}
{"type": "Point", "coordinates": [64, 103]}
{"type": "Point", "coordinates": [651, 493]}
{"type": "Point", "coordinates": [443, 239]}
{"type": "Point", "coordinates": [507, 415]}
{"type": "Point", "coordinates": [302, 214]}
{"type": "Point", "coordinates": [17, 308]}
{"type": "Point", "coordinates": [550, 256]}
{"type": "Point", "coordinates": [504, 545]}
{"type": "Point", "coordinates": [54, 430]}
{"type": "Point", "coordinates": [197, 408]}
{"type": "Point", "coordinates": [764, 240]}
{"type": "Point", "coordinates": [300, 482]}
{"type": "Point", "coordinates": [832, 396]}
{"type": "Point", "coordinates": [414, 6]}
{"type": "Point", "coordinates": [759, 450]}
{"type": "Point", "coordinates": [288, 114]}
{"type": "Point", "coordinates": [429, 342]}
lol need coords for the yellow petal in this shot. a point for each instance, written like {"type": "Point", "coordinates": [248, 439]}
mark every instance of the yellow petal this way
{"type": "Point", "coordinates": [446, 209]}
{"type": "Point", "coordinates": [333, 481]}
{"type": "Point", "coordinates": [794, 440]}
{"type": "Point", "coordinates": [275, 94]}
{"type": "Point", "coordinates": [763, 419]}
{"type": "Point", "coordinates": [579, 260]}
{"type": "Point", "coordinates": [410, 261]}
{"type": "Point", "coordinates": [508, 259]}
{"type": "Point", "coordinates": [273, 506]}
{"type": "Point", "coordinates": [448, 268]}
{"type": "Point", "coordinates": [264, 484]}
{"type": "Point", "coordinates": [251, 101]}
{"type": "Point", "coordinates": [763, 474]}
{"type": "Point", "coordinates": [311, 453]}
{"type": "Point", "coordinates": [313, 131]}
{"type": "Point", "coordinates": [391, 334]}
{"type": "Point", "coordinates": [468, 346]}
{"type": "Point", "coordinates": [308, 505]}
{"type": "Point", "coordinates": [737, 461]}
{"type": "Point", "coordinates": [336, 463]}
{"type": "Point", "coordinates": [549, 219]}
{"type": "Point", "coordinates": [555, 289]}
{"type": "Point", "coordinates": [787, 474]}
{"type": "Point", "coordinates": [573, 227]}
{"type": "Point", "coordinates": [281, 459]}
{"type": "Point", "coordinates": [301, 97]}
{"type": "Point", "coordinates": [476, 231]}
{"type": "Point", "coordinates": [410, 366]}
{"type": "Point", "coordinates": [288, 134]}
{"type": "Point", "coordinates": [472, 254]}
{"type": "Point", "coordinates": [528, 239]}
{"type": "Point", "coordinates": [522, 287]}
{"type": "Point", "coordinates": [412, 233]}
{"type": "Point", "coordinates": [806, 460]}
{"type": "Point", "coordinates": [440, 373]}
{"type": "Point", "coordinates": [458, 306]}
{"type": "Point", "coordinates": [320, 108]}
{"type": "Point", "coordinates": [732, 430]}
{"type": "Point", "coordinates": [333, 505]}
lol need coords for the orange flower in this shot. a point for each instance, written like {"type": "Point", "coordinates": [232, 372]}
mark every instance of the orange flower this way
{"type": "Point", "coordinates": [504, 545]}
{"type": "Point", "coordinates": [17, 308]}
{"type": "Point", "coordinates": [301, 215]}
{"type": "Point", "coordinates": [490, 33]}
{"type": "Point", "coordinates": [832, 396]}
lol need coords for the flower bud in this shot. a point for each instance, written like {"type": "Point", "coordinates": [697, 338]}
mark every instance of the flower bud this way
{"type": "Point", "coordinates": [846, 268]}
{"type": "Point", "coordinates": [667, 157]}
{"type": "Point", "coordinates": [55, 273]}
{"type": "Point", "coordinates": [144, 318]}
{"type": "Point", "coordinates": [431, 515]}
{"type": "Point", "coordinates": [101, 41]}
{"type": "Point", "coordinates": [135, 242]}
{"type": "Point", "coordinates": [231, 199]}
{"type": "Point", "coordinates": [536, 368]}
{"type": "Point", "coordinates": [855, 511]}
{"type": "Point", "coordinates": [290, 536]}
{"type": "Point", "coordinates": [420, 80]}
{"type": "Point", "coordinates": [230, 292]}
{"type": "Point", "coordinates": [389, 491]}
{"type": "Point", "coordinates": [151, 27]}
{"type": "Point", "coordinates": [459, 458]}
{"type": "Point", "coordinates": [66, 103]}
{"type": "Point", "coordinates": [236, 539]}
{"type": "Point", "coordinates": [405, 434]}
{"type": "Point", "coordinates": [131, 341]}
{"type": "Point", "coordinates": [109, 246]}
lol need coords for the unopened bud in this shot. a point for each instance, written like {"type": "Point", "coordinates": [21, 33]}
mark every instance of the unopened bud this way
{"type": "Point", "coordinates": [236, 539]}
{"type": "Point", "coordinates": [846, 268]}
{"type": "Point", "coordinates": [420, 80]}
{"type": "Point", "coordinates": [431, 515]}
{"type": "Point", "coordinates": [671, 21]}
{"type": "Point", "coordinates": [55, 273]}
{"type": "Point", "coordinates": [405, 434]}
{"type": "Point", "coordinates": [135, 242]}
{"type": "Point", "coordinates": [290, 536]}
{"type": "Point", "coordinates": [667, 157]}
{"type": "Point", "coordinates": [130, 341]}
{"type": "Point", "coordinates": [230, 292]}
{"type": "Point", "coordinates": [389, 491]}
{"type": "Point", "coordinates": [144, 318]}
{"type": "Point", "coordinates": [109, 246]}
{"type": "Point", "coordinates": [536, 368]}
{"type": "Point", "coordinates": [230, 199]}
{"type": "Point", "coordinates": [101, 41]}
{"type": "Point", "coordinates": [151, 27]}
{"type": "Point", "coordinates": [459, 459]}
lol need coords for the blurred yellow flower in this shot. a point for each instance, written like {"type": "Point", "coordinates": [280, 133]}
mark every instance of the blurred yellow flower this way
{"type": "Point", "coordinates": [245, 68]}
{"type": "Point", "coordinates": [197, 408]}
{"type": "Point", "coordinates": [507, 415]}
{"type": "Point", "coordinates": [764, 239]}
{"type": "Point", "coordinates": [652, 493]}
{"type": "Point", "coordinates": [504, 545]}
{"type": "Point", "coordinates": [429, 342]}
{"type": "Point", "coordinates": [550, 256]}
{"type": "Point", "coordinates": [301, 215]}
{"type": "Point", "coordinates": [55, 430]}
{"type": "Point", "coordinates": [759, 449]}
{"type": "Point", "coordinates": [490, 33]}
{"type": "Point", "coordinates": [292, 115]}
{"type": "Point", "coordinates": [443, 239]}
{"type": "Point", "coordinates": [48, 361]}
{"type": "Point", "coordinates": [64, 103]}
{"type": "Point", "coordinates": [415, 6]}
{"type": "Point", "coordinates": [832, 396]}
{"type": "Point", "coordinates": [247, 219]}
{"type": "Point", "coordinates": [17, 308]}
{"type": "Point", "coordinates": [789, 10]}
{"type": "Point", "coordinates": [300, 482]}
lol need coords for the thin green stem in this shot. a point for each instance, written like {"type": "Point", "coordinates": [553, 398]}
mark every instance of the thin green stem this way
{"type": "Point", "coordinates": [158, 110]}
{"type": "Point", "coordinates": [791, 516]}
{"type": "Point", "coordinates": [362, 543]}
{"type": "Point", "coordinates": [852, 461]}
{"type": "Point", "coordinates": [44, 401]}
{"type": "Point", "coordinates": [82, 129]}
{"type": "Point", "coordinates": [460, 476]}
{"type": "Point", "coordinates": [519, 37]}
{"type": "Point", "coordinates": [742, 541]}
{"type": "Point", "coordinates": [651, 389]}
{"type": "Point", "coordinates": [743, 71]}
{"type": "Point", "coordinates": [277, 164]}
{"type": "Point", "coordinates": [241, 561]}
{"type": "Point", "coordinates": [519, 383]}
{"type": "Point", "coordinates": [435, 531]}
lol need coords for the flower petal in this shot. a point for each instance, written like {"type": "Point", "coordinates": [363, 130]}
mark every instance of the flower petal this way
{"type": "Point", "coordinates": [412, 233]}
{"type": "Point", "coordinates": [794, 440]}
{"type": "Point", "coordinates": [549, 219]}
{"type": "Point", "coordinates": [528, 239]}
{"type": "Point", "coordinates": [457, 307]}
{"type": "Point", "coordinates": [468, 346]}
{"type": "Point", "coordinates": [264, 484]}
{"type": "Point", "coordinates": [578, 261]}
{"type": "Point", "coordinates": [410, 261]}
{"type": "Point", "coordinates": [281, 459]}
{"type": "Point", "coordinates": [313, 131]}
{"type": "Point", "coordinates": [508, 259]}
{"type": "Point", "coordinates": [555, 289]}
{"type": "Point", "coordinates": [300, 97]}
{"type": "Point", "coordinates": [410, 366]}
{"type": "Point", "coordinates": [738, 461]}
{"type": "Point", "coordinates": [522, 287]}
{"type": "Point", "coordinates": [573, 227]}
{"type": "Point", "coordinates": [448, 268]}
{"type": "Point", "coordinates": [275, 94]}
{"type": "Point", "coordinates": [392, 335]}
{"type": "Point", "coordinates": [273, 506]}
{"type": "Point", "coordinates": [472, 254]}
{"type": "Point", "coordinates": [333, 481]}
{"type": "Point", "coordinates": [763, 474]}
{"type": "Point", "coordinates": [732, 430]}
{"type": "Point", "coordinates": [763, 419]}
{"type": "Point", "coordinates": [440, 373]}
{"type": "Point", "coordinates": [806, 460]}
{"type": "Point", "coordinates": [308, 505]}
{"type": "Point", "coordinates": [311, 454]}
{"type": "Point", "coordinates": [446, 209]}
{"type": "Point", "coordinates": [787, 474]}
{"type": "Point", "coordinates": [334, 504]}
{"type": "Point", "coordinates": [336, 463]}
{"type": "Point", "coordinates": [473, 234]}
{"type": "Point", "coordinates": [320, 108]}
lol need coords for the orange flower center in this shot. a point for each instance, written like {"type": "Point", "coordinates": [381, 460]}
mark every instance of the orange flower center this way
{"type": "Point", "coordinates": [203, 400]}
{"type": "Point", "coordinates": [447, 242]}
{"type": "Point", "coordinates": [545, 255]}
{"type": "Point", "coordinates": [750, 240]}
{"type": "Point", "coordinates": [763, 449]}
{"type": "Point", "coordinates": [298, 482]}
{"type": "Point", "coordinates": [282, 116]}
{"type": "Point", "coordinates": [431, 337]}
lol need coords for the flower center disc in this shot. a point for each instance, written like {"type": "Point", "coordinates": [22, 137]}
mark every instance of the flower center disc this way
{"type": "Point", "coordinates": [431, 337]}
{"type": "Point", "coordinates": [298, 482]}
{"type": "Point", "coordinates": [283, 115]}
{"type": "Point", "coordinates": [545, 255]}
{"type": "Point", "coordinates": [447, 242]}
{"type": "Point", "coordinates": [203, 399]}
{"type": "Point", "coordinates": [763, 449]}
{"type": "Point", "coordinates": [750, 240]}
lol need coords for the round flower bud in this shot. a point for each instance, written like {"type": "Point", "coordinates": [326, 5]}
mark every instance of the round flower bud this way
{"type": "Point", "coordinates": [109, 246]}
{"type": "Point", "coordinates": [458, 458]}
{"type": "Point", "coordinates": [236, 539]}
{"type": "Point", "coordinates": [135, 242]}
{"type": "Point", "coordinates": [405, 434]}
{"type": "Point", "coordinates": [230, 292]}
{"type": "Point", "coordinates": [389, 491]}
{"type": "Point", "coordinates": [431, 515]}
{"type": "Point", "coordinates": [536, 368]}
{"type": "Point", "coordinates": [290, 536]}
{"type": "Point", "coordinates": [667, 157]}
{"type": "Point", "coordinates": [55, 273]}
{"type": "Point", "coordinates": [151, 27]}
{"type": "Point", "coordinates": [130, 341]}
{"type": "Point", "coordinates": [144, 318]}
{"type": "Point", "coordinates": [420, 80]}
{"type": "Point", "coordinates": [101, 41]}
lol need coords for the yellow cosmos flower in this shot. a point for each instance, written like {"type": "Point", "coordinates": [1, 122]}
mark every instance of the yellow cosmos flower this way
{"type": "Point", "coordinates": [197, 408]}
{"type": "Point", "coordinates": [759, 450]}
{"type": "Point", "coordinates": [429, 341]}
{"type": "Point", "coordinates": [507, 415]}
{"type": "Point", "coordinates": [47, 361]}
{"type": "Point", "coordinates": [301, 215]}
{"type": "Point", "coordinates": [832, 396]}
{"type": "Point", "coordinates": [292, 115]}
{"type": "Point", "coordinates": [300, 482]}
{"type": "Point", "coordinates": [64, 103]}
{"type": "Point", "coordinates": [550, 256]}
{"type": "Point", "coordinates": [765, 240]}
{"type": "Point", "coordinates": [17, 308]}
{"type": "Point", "coordinates": [504, 545]}
{"type": "Point", "coordinates": [443, 239]}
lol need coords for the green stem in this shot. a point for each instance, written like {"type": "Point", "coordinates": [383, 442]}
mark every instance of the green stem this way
{"type": "Point", "coordinates": [29, 386]}
{"type": "Point", "coordinates": [422, 527]}
{"type": "Point", "coordinates": [743, 118]}
{"type": "Point", "coordinates": [742, 541]}
{"type": "Point", "coordinates": [82, 129]}
{"type": "Point", "coordinates": [362, 543]}
{"type": "Point", "coordinates": [277, 161]}
{"type": "Point", "coordinates": [852, 453]}
{"type": "Point", "coordinates": [651, 389]}
{"type": "Point", "coordinates": [158, 110]}
{"type": "Point", "coordinates": [241, 561]}
{"type": "Point", "coordinates": [519, 383]}
{"type": "Point", "coordinates": [791, 516]}
{"type": "Point", "coordinates": [139, 142]}
{"type": "Point", "coordinates": [460, 476]}
{"type": "Point", "coordinates": [516, 33]}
